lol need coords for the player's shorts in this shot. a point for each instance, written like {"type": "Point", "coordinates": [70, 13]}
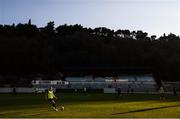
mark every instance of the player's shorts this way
{"type": "Point", "coordinates": [51, 101]}
{"type": "Point", "coordinates": [162, 94]}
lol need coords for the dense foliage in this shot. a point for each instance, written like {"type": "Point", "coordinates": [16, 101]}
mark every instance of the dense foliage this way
{"type": "Point", "coordinates": [26, 49]}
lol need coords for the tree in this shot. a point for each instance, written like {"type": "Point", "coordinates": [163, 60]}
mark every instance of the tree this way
{"type": "Point", "coordinates": [26, 49]}
{"type": "Point", "coordinates": [49, 28]}
{"type": "Point", "coordinates": [140, 35]}
{"type": "Point", "coordinates": [153, 37]}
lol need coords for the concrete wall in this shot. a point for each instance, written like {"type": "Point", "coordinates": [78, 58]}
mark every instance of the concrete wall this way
{"type": "Point", "coordinates": [6, 90]}
{"type": "Point", "coordinates": [24, 90]}
{"type": "Point", "coordinates": [109, 90]}
{"type": "Point", "coordinates": [18, 90]}
{"type": "Point", "coordinates": [106, 90]}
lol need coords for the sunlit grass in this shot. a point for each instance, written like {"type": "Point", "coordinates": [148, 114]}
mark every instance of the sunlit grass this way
{"type": "Point", "coordinates": [91, 105]}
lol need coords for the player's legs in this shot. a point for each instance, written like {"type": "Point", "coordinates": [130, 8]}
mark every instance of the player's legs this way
{"type": "Point", "coordinates": [53, 104]}
{"type": "Point", "coordinates": [162, 96]}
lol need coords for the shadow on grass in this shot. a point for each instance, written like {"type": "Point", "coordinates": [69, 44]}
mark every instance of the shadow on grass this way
{"type": "Point", "coordinates": [147, 109]}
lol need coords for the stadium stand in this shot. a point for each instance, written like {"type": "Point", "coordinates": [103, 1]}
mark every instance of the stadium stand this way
{"type": "Point", "coordinates": [127, 83]}
{"type": "Point", "coordinates": [171, 86]}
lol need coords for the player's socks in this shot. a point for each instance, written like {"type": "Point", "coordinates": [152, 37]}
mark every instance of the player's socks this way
{"type": "Point", "coordinates": [55, 109]}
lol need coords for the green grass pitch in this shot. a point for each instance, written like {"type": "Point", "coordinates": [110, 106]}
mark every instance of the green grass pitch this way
{"type": "Point", "coordinates": [90, 105]}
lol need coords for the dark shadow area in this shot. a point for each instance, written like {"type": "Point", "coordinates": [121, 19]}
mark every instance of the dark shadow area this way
{"type": "Point", "coordinates": [148, 109]}
{"type": "Point", "coordinates": [28, 52]}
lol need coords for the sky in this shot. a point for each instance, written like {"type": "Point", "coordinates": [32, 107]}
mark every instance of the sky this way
{"type": "Point", "coordinates": [152, 16]}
